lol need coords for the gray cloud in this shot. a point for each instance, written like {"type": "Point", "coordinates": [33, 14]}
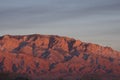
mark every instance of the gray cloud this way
{"type": "Point", "coordinates": [59, 11]}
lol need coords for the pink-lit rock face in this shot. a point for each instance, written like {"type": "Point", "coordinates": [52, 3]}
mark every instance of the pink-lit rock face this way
{"type": "Point", "coordinates": [43, 57]}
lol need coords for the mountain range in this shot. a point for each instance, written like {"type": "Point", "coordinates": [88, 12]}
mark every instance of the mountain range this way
{"type": "Point", "coordinates": [52, 57]}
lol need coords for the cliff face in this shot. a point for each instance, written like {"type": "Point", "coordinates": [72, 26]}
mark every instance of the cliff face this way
{"type": "Point", "coordinates": [43, 57]}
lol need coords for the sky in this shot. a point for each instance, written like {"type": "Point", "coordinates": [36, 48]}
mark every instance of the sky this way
{"type": "Point", "coordinates": [95, 21]}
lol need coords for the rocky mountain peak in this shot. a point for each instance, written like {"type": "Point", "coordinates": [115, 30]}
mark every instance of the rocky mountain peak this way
{"type": "Point", "coordinates": [43, 56]}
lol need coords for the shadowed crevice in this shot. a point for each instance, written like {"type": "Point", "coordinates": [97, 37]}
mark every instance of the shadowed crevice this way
{"type": "Point", "coordinates": [21, 45]}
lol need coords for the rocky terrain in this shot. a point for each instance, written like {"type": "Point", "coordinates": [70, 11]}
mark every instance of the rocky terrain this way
{"type": "Point", "coordinates": [51, 57]}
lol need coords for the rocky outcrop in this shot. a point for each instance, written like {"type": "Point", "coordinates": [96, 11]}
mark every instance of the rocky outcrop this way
{"type": "Point", "coordinates": [50, 57]}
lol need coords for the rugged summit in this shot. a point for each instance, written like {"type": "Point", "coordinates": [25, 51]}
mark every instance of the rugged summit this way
{"type": "Point", "coordinates": [50, 57]}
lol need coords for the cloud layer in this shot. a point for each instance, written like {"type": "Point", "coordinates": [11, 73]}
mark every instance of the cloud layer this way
{"type": "Point", "coordinates": [89, 20]}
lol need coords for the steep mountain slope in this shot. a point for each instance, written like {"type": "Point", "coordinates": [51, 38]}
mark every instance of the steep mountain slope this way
{"type": "Point", "coordinates": [50, 57]}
